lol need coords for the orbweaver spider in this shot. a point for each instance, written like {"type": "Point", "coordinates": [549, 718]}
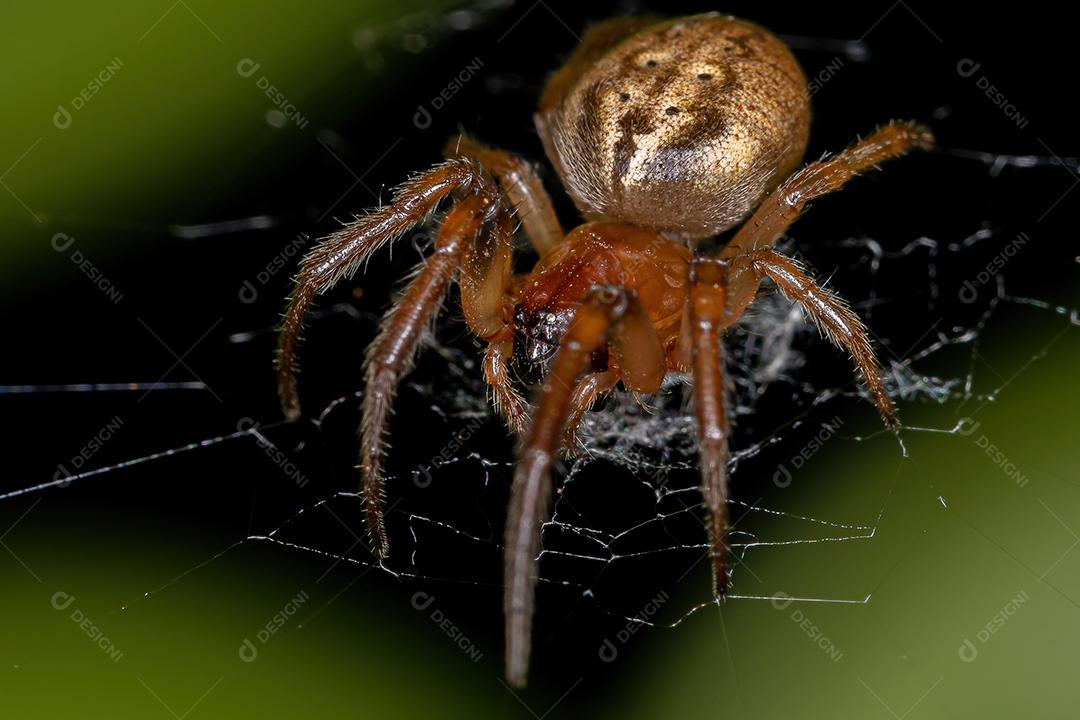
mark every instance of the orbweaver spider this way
{"type": "Point", "coordinates": [664, 133]}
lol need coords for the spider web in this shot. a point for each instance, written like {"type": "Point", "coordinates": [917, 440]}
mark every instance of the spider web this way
{"type": "Point", "coordinates": [627, 504]}
{"type": "Point", "coordinates": [649, 443]}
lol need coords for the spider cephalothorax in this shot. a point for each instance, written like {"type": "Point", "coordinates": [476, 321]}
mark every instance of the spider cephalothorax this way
{"type": "Point", "coordinates": [663, 133]}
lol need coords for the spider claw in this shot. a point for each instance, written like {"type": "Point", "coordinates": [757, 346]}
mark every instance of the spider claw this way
{"type": "Point", "coordinates": [380, 543]}
{"type": "Point", "coordinates": [376, 528]}
{"type": "Point", "coordinates": [721, 573]}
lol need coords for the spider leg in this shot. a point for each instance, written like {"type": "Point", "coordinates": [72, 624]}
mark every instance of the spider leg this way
{"type": "Point", "coordinates": [523, 188]}
{"type": "Point", "coordinates": [752, 259]}
{"type": "Point", "coordinates": [591, 388]}
{"type": "Point", "coordinates": [788, 201]}
{"type": "Point", "coordinates": [507, 401]}
{"type": "Point", "coordinates": [830, 312]}
{"type": "Point", "coordinates": [486, 275]}
{"type": "Point", "coordinates": [608, 314]}
{"type": "Point", "coordinates": [708, 312]}
{"type": "Point", "coordinates": [392, 353]}
{"type": "Point", "coordinates": [340, 254]}
{"type": "Point", "coordinates": [485, 285]}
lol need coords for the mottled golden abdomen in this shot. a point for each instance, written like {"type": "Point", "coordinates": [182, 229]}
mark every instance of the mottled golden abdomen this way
{"type": "Point", "coordinates": [679, 126]}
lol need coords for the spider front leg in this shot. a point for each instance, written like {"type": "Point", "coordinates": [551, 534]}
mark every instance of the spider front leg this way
{"type": "Point", "coordinates": [485, 282]}
{"type": "Point", "coordinates": [343, 252]}
{"type": "Point", "coordinates": [517, 179]}
{"type": "Point", "coordinates": [591, 388]}
{"type": "Point", "coordinates": [486, 276]}
{"type": "Point", "coordinates": [708, 313]}
{"type": "Point", "coordinates": [787, 202]}
{"type": "Point", "coordinates": [608, 314]}
{"type": "Point", "coordinates": [393, 352]}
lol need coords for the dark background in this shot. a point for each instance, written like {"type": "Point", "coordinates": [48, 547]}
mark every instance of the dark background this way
{"type": "Point", "coordinates": [166, 515]}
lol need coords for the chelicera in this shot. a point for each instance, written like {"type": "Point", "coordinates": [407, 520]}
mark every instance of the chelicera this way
{"type": "Point", "coordinates": [665, 134]}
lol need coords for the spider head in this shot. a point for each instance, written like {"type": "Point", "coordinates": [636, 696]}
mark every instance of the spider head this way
{"type": "Point", "coordinates": [537, 334]}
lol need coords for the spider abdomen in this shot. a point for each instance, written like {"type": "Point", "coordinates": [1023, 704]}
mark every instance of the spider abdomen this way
{"type": "Point", "coordinates": [679, 126]}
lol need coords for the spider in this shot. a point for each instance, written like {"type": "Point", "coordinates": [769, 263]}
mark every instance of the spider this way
{"type": "Point", "coordinates": [665, 133]}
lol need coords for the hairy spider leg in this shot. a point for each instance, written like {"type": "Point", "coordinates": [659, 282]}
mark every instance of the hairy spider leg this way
{"type": "Point", "coordinates": [752, 259]}
{"type": "Point", "coordinates": [392, 353]}
{"type": "Point", "coordinates": [610, 315]}
{"type": "Point", "coordinates": [831, 314]}
{"type": "Point", "coordinates": [485, 281]}
{"type": "Point", "coordinates": [531, 202]}
{"type": "Point", "coordinates": [343, 252]}
{"type": "Point", "coordinates": [787, 202]}
{"type": "Point", "coordinates": [486, 277]}
{"type": "Point", "coordinates": [708, 311]}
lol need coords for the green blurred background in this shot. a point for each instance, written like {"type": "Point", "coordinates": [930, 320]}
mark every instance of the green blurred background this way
{"type": "Point", "coordinates": [973, 578]}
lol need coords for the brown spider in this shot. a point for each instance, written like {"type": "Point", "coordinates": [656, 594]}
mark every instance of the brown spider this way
{"type": "Point", "coordinates": [664, 133]}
